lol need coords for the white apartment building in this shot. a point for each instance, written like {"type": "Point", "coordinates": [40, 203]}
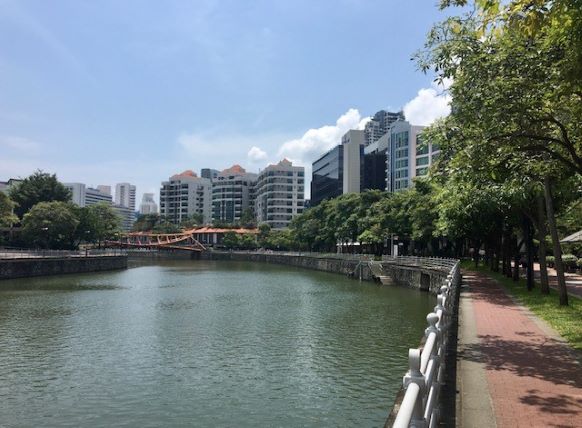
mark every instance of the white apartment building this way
{"type": "Point", "coordinates": [233, 191]}
{"type": "Point", "coordinates": [408, 156]}
{"type": "Point", "coordinates": [353, 142]}
{"type": "Point", "coordinates": [186, 194]}
{"type": "Point", "coordinates": [125, 195]}
{"type": "Point", "coordinates": [148, 205]}
{"type": "Point", "coordinates": [280, 194]}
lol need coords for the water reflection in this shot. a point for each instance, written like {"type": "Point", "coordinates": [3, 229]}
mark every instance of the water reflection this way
{"type": "Point", "coordinates": [203, 344]}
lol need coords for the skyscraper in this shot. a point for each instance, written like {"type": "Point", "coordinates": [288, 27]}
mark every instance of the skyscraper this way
{"type": "Point", "coordinates": [380, 124]}
{"type": "Point", "coordinates": [148, 205]}
{"type": "Point", "coordinates": [327, 177]}
{"type": "Point", "coordinates": [125, 195]}
{"type": "Point", "coordinates": [353, 142]}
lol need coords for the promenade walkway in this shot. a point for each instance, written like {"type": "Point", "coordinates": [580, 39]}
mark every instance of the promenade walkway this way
{"type": "Point", "coordinates": [512, 370]}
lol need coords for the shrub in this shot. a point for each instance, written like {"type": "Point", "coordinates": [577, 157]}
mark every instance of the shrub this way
{"type": "Point", "coordinates": [579, 263]}
{"type": "Point", "coordinates": [550, 260]}
{"type": "Point", "coordinates": [569, 260]}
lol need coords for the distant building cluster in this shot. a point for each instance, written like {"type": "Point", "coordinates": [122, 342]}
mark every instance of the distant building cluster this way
{"type": "Point", "coordinates": [273, 196]}
{"type": "Point", "coordinates": [386, 155]}
{"type": "Point", "coordinates": [124, 204]}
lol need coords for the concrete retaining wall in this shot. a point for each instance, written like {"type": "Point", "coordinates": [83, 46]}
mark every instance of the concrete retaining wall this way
{"type": "Point", "coordinates": [22, 268]}
{"type": "Point", "coordinates": [416, 277]}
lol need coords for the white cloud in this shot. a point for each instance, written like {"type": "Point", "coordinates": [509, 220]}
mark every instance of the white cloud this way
{"type": "Point", "coordinates": [256, 155]}
{"type": "Point", "coordinates": [429, 104]}
{"type": "Point", "coordinates": [20, 144]}
{"type": "Point", "coordinates": [317, 141]}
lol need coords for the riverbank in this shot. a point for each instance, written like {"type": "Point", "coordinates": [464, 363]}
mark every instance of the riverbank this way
{"type": "Point", "coordinates": [43, 266]}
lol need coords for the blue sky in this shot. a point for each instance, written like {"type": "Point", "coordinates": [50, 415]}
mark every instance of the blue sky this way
{"type": "Point", "coordinates": [108, 91]}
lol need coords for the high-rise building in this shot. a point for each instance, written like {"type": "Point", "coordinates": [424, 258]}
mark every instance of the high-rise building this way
{"type": "Point", "coordinates": [327, 177]}
{"type": "Point", "coordinates": [209, 173]}
{"type": "Point", "coordinates": [233, 191]}
{"type": "Point", "coordinates": [408, 157]}
{"type": "Point", "coordinates": [186, 194]}
{"type": "Point", "coordinates": [126, 215]}
{"type": "Point", "coordinates": [104, 189]}
{"type": "Point", "coordinates": [380, 124]}
{"type": "Point", "coordinates": [148, 205]}
{"type": "Point", "coordinates": [374, 172]}
{"type": "Point", "coordinates": [125, 195]}
{"type": "Point", "coordinates": [280, 194]}
{"type": "Point", "coordinates": [353, 142]}
{"type": "Point", "coordinates": [84, 196]}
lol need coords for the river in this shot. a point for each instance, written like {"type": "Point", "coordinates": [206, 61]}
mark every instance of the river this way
{"type": "Point", "coordinates": [205, 344]}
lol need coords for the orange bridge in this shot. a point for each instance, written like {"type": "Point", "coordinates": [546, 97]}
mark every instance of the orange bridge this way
{"type": "Point", "coordinates": [191, 240]}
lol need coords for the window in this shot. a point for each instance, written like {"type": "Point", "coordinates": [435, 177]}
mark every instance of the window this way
{"type": "Point", "coordinates": [422, 161]}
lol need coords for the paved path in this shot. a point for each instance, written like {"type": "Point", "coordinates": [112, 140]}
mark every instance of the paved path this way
{"type": "Point", "coordinates": [573, 280]}
{"type": "Point", "coordinates": [513, 370]}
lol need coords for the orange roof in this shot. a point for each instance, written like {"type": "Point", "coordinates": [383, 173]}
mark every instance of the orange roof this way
{"type": "Point", "coordinates": [235, 169]}
{"type": "Point", "coordinates": [187, 173]}
{"type": "Point", "coordinates": [221, 230]}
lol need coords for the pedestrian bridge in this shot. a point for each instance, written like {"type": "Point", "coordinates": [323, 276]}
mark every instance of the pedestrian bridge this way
{"type": "Point", "coordinates": [159, 241]}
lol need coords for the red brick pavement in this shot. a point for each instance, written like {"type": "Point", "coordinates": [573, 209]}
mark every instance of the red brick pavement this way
{"type": "Point", "coordinates": [534, 379]}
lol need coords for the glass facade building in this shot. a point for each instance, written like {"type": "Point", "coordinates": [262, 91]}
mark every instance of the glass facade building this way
{"type": "Point", "coordinates": [327, 176]}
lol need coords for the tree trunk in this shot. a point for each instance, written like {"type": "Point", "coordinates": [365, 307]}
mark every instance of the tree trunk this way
{"type": "Point", "coordinates": [542, 232]}
{"type": "Point", "coordinates": [516, 257]}
{"type": "Point", "coordinates": [563, 291]}
{"type": "Point", "coordinates": [528, 236]}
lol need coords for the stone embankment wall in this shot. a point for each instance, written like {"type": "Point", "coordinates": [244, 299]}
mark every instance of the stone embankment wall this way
{"type": "Point", "coordinates": [409, 276]}
{"type": "Point", "coordinates": [346, 267]}
{"type": "Point", "coordinates": [27, 267]}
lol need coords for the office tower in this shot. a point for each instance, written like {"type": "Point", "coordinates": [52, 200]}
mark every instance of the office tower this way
{"type": "Point", "coordinates": [353, 142]}
{"type": "Point", "coordinates": [125, 195]}
{"type": "Point", "coordinates": [233, 191]}
{"type": "Point", "coordinates": [148, 205]}
{"type": "Point", "coordinates": [280, 194]}
{"type": "Point", "coordinates": [327, 177]}
{"type": "Point", "coordinates": [186, 194]}
{"type": "Point", "coordinates": [408, 156]}
{"type": "Point", "coordinates": [374, 172]}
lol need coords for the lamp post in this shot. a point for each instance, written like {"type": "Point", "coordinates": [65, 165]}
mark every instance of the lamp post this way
{"type": "Point", "coordinates": [45, 230]}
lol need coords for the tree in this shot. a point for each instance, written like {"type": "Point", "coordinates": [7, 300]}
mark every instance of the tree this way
{"type": "Point", "coordinates": [193, 221]}
{"type": "Point", "coordinates": [103, 222]}
{"type": "Point", "coordinates": [39, 187]}
{"type": "Point", "coordinates": [247, 241]}
{"type": "Point", "coordinates": [146, 222]}
{"type": "Point", "coordinates": [51, 225]}
{"type": "Point", "coordinates": [231, 240]}
{"type": "Point", "coordinates": [248, 219]}
{"type": "Point", "coordinates": [7, 216]}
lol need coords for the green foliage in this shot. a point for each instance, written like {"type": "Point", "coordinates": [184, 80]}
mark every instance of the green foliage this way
{"type": "Point", "coordinates": [231, 240]}
{"type": "Point", "coordinates": [248, 219]}
{"type": "Point", "coordinates": [7, 216]}
{"type": "Point", "coordinates": [146, 222]}
{"type": "Point", "coordinates": [165, 226]}
{"type": "Point", "coordinates": [51, 225]}
{"type": "Point", "coordinates": [569, 260]}
{"type": "Point", "coordinates": [247, 241]}
{"type": "Point", "coordinates": [39, 187]}
{"type": "Point", "coordinates": [193, 221]}
{"type": "Point", "coordinates": [97, 223]}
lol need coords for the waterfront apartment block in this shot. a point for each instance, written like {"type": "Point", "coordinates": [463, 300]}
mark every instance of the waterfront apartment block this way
{"type": "Point", "coordinates": [148, 205]}
{"type": "Point", "coordinates": [186, 194]}
{"type": "Point", "coordinates": [327, 178]}
{"type": "Point", "coordinates": [280, 194]}
{"type": "Point", "coordinates": [233, 191]}
{"type": "Point", "coordinates": [408, 157]}
{"type": "Point", "coordinates": [125, 195]}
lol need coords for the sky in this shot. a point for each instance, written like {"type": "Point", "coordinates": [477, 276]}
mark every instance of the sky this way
{"type": "Point", "coordinates": [110, 91]}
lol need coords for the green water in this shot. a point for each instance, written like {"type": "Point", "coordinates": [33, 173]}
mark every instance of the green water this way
{"type": "Point", "coordinates": [196, 343]}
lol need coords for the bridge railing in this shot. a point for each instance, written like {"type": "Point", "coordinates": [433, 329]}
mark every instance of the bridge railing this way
{"type": "Point", "coordinates": [31, 253]}
{"type": "Point", "coordinates": [422, 382]}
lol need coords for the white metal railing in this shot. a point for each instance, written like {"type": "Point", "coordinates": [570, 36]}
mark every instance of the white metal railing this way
{"type": "Point", "coordinates": [422, 382]}
{"type": "Point", "coordinates": [12, 253]}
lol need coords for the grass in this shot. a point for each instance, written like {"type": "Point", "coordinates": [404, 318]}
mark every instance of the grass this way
{"type": "Point", "coordinates": [566, 320]}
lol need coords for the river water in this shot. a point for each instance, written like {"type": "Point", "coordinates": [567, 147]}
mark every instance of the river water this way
{"type": "Point", "coordinates": [197, 343]}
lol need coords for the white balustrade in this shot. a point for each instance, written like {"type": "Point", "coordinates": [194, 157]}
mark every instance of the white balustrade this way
{"type": "Point", "coordinates": [422, 382]}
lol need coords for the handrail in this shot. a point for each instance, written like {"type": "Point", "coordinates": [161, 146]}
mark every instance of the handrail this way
{"type": "Point", "coordinates": [13, 253]}
{"type": "Point", "coordinates": [422, 382]}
